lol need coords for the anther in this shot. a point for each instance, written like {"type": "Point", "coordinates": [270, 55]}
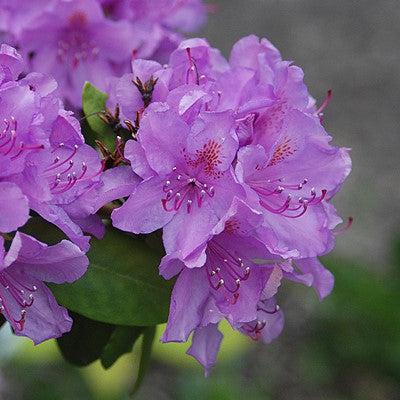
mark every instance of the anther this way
{"type": "Point", "coordinates": [189, 205]}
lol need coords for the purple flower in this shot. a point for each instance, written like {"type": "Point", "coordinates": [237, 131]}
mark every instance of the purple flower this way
{"type": "Point", "coordinates": [157, 23]}
{"type": "Point", "coordinates": [44, 163]}
{"type": "Point", "coordinates": [25, 301]}
{"type": "Point", "coordinates": [195, 62]}
{"type": "Point", "coordinates": [188, 177]}
{"type": "Point", "coordinates": [230, 260]}
{"type": "Point", "coordinates": [91, 40]}
{"type": "Point", "coordinates": [287, 162]}
{"type": "Point", "coordinates": [231, 160]}
{"type": "Point", "coordinates": [74, 42]}
{"type": "Point", "coordinates": [291, 176]}
{"type": "Point", "coordinates": [20, 136]}
{"type": "Point", "coordinates": [270, 86]}
{"type": "Point", "coordinates": [66, 171]}
{"type": "Point", "coordinates": [233, 277]}
{"type": "Point", "coordinates": [222, 280]}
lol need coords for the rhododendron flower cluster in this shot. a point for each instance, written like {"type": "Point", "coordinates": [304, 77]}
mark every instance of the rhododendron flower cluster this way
{"type": "Point", "coordinates": [225, 161]}
{"type": "Point", "coordinates": [92, 40]}
{"type": "Point", "coordinates": [239, 172]}
{"type": "Point", "coordinates": [45, 167]}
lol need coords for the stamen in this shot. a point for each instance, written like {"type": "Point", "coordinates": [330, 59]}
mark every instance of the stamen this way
{"type": "Point", "coordinates": [324, 104]}
{"type": "Point", "coordinates": [184, 188]}
{"type": "Point", "coordinates": [270, 312]}
{"type": "Point", "coordinates": [289, 208]}
{"type": "Point", "coordinates": [344, 228]}
{"type": "Point", "coordinates": [21, 294]}
{"type": "Point", "coordinates": [25, 148]}
{"type": "Point", "coordinates": [229, 274]}
{"type": "Point", "coordinates": [56, 162]}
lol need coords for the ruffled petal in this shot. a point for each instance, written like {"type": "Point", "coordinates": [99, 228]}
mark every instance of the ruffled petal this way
{"type": "Point", "coordinates": [61, 263]}
{"type": "Point", "coordinates": [143, 211]}
{"type": "Point", "coordinates": [14, 208]}
{"type": "Point", "coordinates": [189, 296]}
{"type": "Point", "coordinates": [206, 342]}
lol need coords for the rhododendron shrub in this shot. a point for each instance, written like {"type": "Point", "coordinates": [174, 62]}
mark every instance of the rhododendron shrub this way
{"type": "Point", "coordinates": [194, 191]}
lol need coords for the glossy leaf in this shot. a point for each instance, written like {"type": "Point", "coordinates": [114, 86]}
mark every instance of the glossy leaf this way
{"type": "Point", "coordinates": [86, 340]}
{"type": "Point", "coordinates": [122, 285]}
{"type": "Point", "coordinates": [121, 341]}
{"type": "Point", "coordinates": [93, 103]}
{"type": "Point", "coordinates": [147, 345]}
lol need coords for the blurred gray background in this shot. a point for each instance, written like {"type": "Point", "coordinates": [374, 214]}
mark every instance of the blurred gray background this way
{"type": "Point", "coordinates": [353, 47]}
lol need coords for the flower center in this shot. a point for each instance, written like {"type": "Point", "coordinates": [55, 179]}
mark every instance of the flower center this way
{"type": "Point", "coordinates": [181, 188]}
{"type": "Point", "coordinates": [17, 294]}
{"type": "Point", "coordinates": [224, 270]}
{"type": "Point", "coordinates": [75, 46]}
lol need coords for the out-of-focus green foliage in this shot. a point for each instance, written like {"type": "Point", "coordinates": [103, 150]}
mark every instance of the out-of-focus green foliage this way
{"type": "Point", "coordinates": [147, 345]}
{"type": "Point", "coordinates": [360, 325]}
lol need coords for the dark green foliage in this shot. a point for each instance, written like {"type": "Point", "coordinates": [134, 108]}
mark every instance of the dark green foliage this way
{"type": "Point", "coordinates": [86, 340]}
{"type": "Point", "coordinates": [122, 285]}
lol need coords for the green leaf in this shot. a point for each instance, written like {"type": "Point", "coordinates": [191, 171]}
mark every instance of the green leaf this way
{"type": "Point", "coordinates": [93, 103]}
{"type": "Point", "coordinates": [154, 241]}
{"type": "Point", "coordinates": [86, 340]}
{"type": "Point", "coordinates": [122, 285]}
{"type": "Point", "coordinates": [121, 341]}
{"type": "Point", "coordinates": [147, 344]}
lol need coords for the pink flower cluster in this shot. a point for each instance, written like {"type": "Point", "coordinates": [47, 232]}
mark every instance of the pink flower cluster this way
{"type": "Point", "coordinates": [237, 170]}
{"type": "Point", "coordinates": [228, 157]}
